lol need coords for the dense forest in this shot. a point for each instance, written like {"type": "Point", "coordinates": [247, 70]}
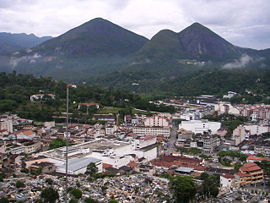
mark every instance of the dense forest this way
{"type": "Point", "coordinates": [15, 92]}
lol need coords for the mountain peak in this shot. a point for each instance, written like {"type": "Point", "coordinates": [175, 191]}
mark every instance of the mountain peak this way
{"type": "Point", "coordinates": [97, 37]}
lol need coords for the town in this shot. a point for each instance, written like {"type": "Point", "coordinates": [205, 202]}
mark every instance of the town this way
{"type": "Point", "coordinates": [222, 148]}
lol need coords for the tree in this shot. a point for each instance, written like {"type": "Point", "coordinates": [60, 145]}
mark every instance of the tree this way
{"type": "Point", "coordinates": [57, 143]}
{"type": "Point", "coordinates": [49, 181]}
{"type": "Point", "coordinates": [77, 193]}
{"type": "Point", "coordinates": [49, 195]}
{"type": "Point", "coordinates": [113, 201]}
{"type": "Point", "coordinates": [91, 169]}
{"type": "Point", "coordinates": [4, 200]}
{"type": "Point", "coordinates": [183, 189]}
{"type": "Point", "coordinates": [73, 201]}
{"type": "Point", "coordinates": [90, 200]}
{"type": "Point", "coordinates": [19, 184]}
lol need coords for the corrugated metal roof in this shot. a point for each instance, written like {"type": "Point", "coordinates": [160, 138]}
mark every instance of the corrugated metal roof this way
{"type": "Point", "coordinates": [184, 169]}
{"type": "Point", "coordinates": [79, 163]}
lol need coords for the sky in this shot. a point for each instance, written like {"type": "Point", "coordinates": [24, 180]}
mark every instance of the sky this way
{"type": "Point", "coordinates": [244, 23]}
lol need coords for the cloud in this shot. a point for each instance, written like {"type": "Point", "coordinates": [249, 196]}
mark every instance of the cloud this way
{"type": "Point", "coordinates": [242, 62]}
{"type": "Point", "coordinates": [244, 23]}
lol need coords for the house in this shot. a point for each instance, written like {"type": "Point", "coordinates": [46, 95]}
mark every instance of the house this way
{"type": "Point", "coordinates": [226, 180]}
{"type": "Point", "coordinates": [41, 96]}
{"type": "Point", "coordinates": [249, 173]}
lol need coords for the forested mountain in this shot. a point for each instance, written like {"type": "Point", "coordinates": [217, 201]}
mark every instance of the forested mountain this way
{"type": "Point", "coordinates": [101, 53]}
{"type": "Point", "coordinates": [13, 42]}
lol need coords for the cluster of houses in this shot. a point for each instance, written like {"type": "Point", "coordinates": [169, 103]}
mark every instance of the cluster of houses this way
{"type": "Point", "coordinates": [139, 143]}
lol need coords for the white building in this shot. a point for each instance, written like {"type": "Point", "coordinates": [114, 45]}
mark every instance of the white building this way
{"type": "Point", "coordinates": [200, 126]}
{"type": "Point", "coordinates": [230, 95]}
{"type": "Point", "coordinates": [157, 121]}
{"type": "Point", "coordinates": [152, 131]}
{"type": "Point", "coordinates": [115, 153]}
{"type": "Point", "coordinates": [257, 129]}
{"type": "Point", "coordinates": [6, 124]}
{"type": "Point", "coordinates": [226, 181]}
{"type": "Point", "coordinates": [35, 97]}
{"type": "Point", "coordinates": [224, 107]}
{"type": "Point", "coordinates": [144, 141]}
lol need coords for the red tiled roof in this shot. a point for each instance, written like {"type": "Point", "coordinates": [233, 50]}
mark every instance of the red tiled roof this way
{"type": "Point", "coordinates": [168, 161]}
{"type": "Point", "coordinates": [25, 132]}
{"type": "Point", "coordinates": [255, 158]}
{"type": "Point", "coordinates": [104, 165]}
{"type": "Point", "coordinates": [133, 164]}
{"type": "Point", "coordinates": [149, 137]}
{"type": "Point", "coordinates": [227, 175]}
{"type": "Point", "coordinates": [250, 166]}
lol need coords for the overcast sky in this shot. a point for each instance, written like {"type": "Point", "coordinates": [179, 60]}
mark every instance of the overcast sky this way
{"type": "Point", "coordinates": [243, 22]}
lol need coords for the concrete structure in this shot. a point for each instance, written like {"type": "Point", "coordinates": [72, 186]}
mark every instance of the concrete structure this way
{"type": "Point", "coordinates": [156, 121]}
{"type": "Point", "coordinates": [249, 173]}
{"type": "Point", "coordinates": [200, 126]}
{"type": "Point", "coordinates": [115, 153]}
{"type": "Point", "coordinates": [41, 96]}
{"type": "Point", "coordinates": [152, 131]}
{"type": "Point", "coordinates": [226, 181]}
{"type": "Point", "coordinates": [79, 165]}
{"type": "Point", "coordinates": [6, 124]}
{"type": "Point", "coordinates": [240, 134]}
{"type": "Point", "coordinates": [224, 107]}
{"type": "Point", "coordinates": [257, 129]}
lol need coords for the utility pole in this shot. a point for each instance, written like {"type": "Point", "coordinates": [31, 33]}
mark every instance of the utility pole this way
{"type": "Point", "coordinates": [67, 140]}
{"type": "Point", "coordinates": [66, 154]}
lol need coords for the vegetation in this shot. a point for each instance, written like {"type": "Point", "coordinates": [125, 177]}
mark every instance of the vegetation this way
{"type": "Point", "coordinates": [91, 169]}
{"type": "Point", "coordinates": [183, 189]}
{"type": "Point", "coordinates": [49, 195]}
{"type": "Point", "coordinates": [4, 200]}
{"type": "Point", "coordinates": [15, 91]}
{"type": "Point", "coordinates": [193, 151]}
{"type": "Point", "coordinates": [90, 200]}
{"type": "Point", "coordinates": [210, 185]}
{"type": "Point", "coordinates": [76, 193]}
{"type": "Point", "coordinates": [57, 143]}
{"type": "Point", "coordinates": [19, 184]}
{"type": "Point", "coordinates": [226, 158]}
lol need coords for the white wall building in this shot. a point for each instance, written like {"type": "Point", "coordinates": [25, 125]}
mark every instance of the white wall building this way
{"type": "Point", "coordinates": [158, 121]}
{"type": "Point", "coordinates": [257, 129]}
{"type": "Point", "coordinates": [152, 131]}
{"type": "Point", "coordinates": [226, 181]}
{"type": "Point", "coordinates": [224, 107]}
{"type": "Point", "coordinates": [200, 126]}
{"type": "Point", "coordinates": [6, 124]}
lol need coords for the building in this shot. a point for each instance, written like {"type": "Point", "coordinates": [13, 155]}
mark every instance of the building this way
{"type": "Point", "coordinates": [240, 134]}
{"type": "Point", "coordinates": [6, 124]}
{"type": "Point", "coordinates": [257, 129]}
{"type": "Point", "coordinates": [226, 180]}
{"type": "Point", "coordinates": [152, 131]}
{"type": "Point", "coordinates": [36, 97]}
{"type": "Point", "coordinates": [229, 95]}
{"type": "Point", "coordinates": [79, 165]}
{"type": "Point", "coordinates": [249, 173]}
{"type": "Point", "coordinates": [200, 126]}
{"type": "Point", "coordinates": [156, 121]}
{"type": "Point", "coordinates": [262, 147]}
{"type": "Point", "coordinates": [227, 108]}
{"type": "Point", "coordinates": [115, 153]}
